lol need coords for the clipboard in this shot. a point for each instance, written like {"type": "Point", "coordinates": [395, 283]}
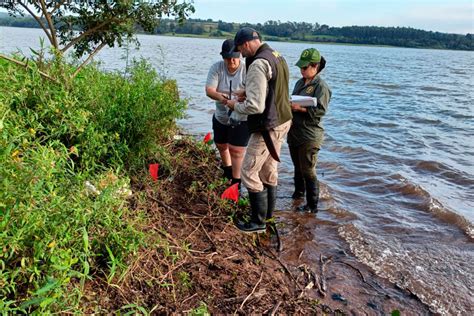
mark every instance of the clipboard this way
{"type": "Point", "coordinates": [304, 101]}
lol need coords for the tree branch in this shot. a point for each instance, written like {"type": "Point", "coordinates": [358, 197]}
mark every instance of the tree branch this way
{"type": "Point", "coordinates": [52, 29]}
{"type": "Point", "coordinates": [86, 33]}
{"type": "Point", "coordinates": [96, 50]}
{"type": "Point", "coordinates": [57, 6]}
{"type": "Point", "coordinates": [26, 66]}
{"type": "Point", "coordinates": [37, 20]}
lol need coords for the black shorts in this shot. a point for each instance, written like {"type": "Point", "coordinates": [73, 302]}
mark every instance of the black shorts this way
{"type": "Point", "coordinates": [234, 135]}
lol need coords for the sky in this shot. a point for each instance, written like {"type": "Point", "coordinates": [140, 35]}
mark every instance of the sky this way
{"type": "Point", "coordinates": [448, 16]}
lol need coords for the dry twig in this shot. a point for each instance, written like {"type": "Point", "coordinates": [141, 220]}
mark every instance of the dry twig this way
{"type": "Point", "coordinates": [253, 290]}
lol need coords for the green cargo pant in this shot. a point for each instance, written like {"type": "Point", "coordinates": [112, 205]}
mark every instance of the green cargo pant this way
{"type": "Point", "coordinates": [305, 158]}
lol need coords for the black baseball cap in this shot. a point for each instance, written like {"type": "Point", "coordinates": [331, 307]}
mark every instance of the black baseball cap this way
{"type": "Point", "coordinates": [245, 34]}
{"type": "Point", "coordinates": [227, 52]}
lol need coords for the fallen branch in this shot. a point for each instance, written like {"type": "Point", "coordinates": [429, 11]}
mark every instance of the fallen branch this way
{"type": "Point", "coordinates": [274, 309]}
{"type": "Point", "coordinates": [361, 275]}
{"type": "Point", "coordinates": [25, 65]}
{"type": "Point", "coordinates": [317, 281]}
{"type": "Point", "coordinates": [323, 279]}
{"type": "Point", "coordinates": [169, 208]}
{"type": "Point", "coordinates": [301, 253]}
{"type": "Point", "coordinates": [233, 300]}
{"type": "Point", "coordinates": [277, 234]}
{"type": "Point", "coordinates": [187, 299]}
{"type": "Point", "coordinates": [350, 265]}
{"type": "Point", "coordinates": [285, 268]}
{"type": "Point", "coordinates": [208, 237]}
{"type": "Point", "coordinates": [253, 290]}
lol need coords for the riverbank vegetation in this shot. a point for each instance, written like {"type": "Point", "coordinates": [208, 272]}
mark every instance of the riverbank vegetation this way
{"type": "Point", "coordinates": [68, 152]}
{"type": "Point", "coordinates": [305, 32]}
{"type": "Point", "coordinates": [85, 229]}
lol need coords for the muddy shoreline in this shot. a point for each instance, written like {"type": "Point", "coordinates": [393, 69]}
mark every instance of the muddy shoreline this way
{"type": "Point", "coordinates": [351, 286]}
{"type": "Point", "coordinates": [196, 261]}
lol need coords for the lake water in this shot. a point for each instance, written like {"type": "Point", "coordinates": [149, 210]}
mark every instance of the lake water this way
{"type": "Point", "coordinates": [397, 165]}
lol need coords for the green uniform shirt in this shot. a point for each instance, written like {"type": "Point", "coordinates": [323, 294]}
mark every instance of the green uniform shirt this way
{"type": "Point", "coordinates": [307, 126]}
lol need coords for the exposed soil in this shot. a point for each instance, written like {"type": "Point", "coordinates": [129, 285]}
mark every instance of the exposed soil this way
{"type": "Point", "coordinates": [196, 256]}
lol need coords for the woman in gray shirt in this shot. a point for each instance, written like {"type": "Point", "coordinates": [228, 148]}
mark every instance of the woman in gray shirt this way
{"type": "Point", "coordinates": [230, 136]}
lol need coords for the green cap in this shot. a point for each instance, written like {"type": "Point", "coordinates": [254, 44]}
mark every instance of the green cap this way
{"type": "Point", "coordinates": [308, 56]}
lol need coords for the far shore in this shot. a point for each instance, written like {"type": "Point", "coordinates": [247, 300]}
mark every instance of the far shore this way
{"type": "Point", "coordinates": [268, 39]}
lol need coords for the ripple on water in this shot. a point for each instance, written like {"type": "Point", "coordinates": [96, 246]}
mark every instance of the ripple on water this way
{"type": "Point", "coordinates": [438, 275]}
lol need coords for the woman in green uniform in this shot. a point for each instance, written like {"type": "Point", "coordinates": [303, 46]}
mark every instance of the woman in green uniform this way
{"type": "Point", "coordinates": [306, 133]}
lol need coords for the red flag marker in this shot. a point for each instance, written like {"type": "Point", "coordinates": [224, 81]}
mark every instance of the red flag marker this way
{"type": "Point", "coordinates": [207, 138]}
{"type": "Point", "coordinates": [231, 193]}
{"type": "Point", "coordinates": [154, 170]}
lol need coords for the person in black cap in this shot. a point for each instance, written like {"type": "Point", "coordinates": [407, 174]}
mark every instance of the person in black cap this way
{"type": "Point", "coordinates": [306, 133]}
{"type": "Point", "coordinates": [267, 105]}
{"type": "Point", "coordinates": [231, 138]}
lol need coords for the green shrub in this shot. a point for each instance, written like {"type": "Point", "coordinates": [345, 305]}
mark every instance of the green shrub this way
{"type": "Point", "coordinates": [55, 232]}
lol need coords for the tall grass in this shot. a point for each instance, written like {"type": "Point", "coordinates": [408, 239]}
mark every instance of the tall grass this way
{"type": "Point", "coordinates": [55, 233]}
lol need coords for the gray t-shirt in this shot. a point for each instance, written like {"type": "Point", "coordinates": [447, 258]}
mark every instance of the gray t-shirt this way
{"type": "Point", "coordinates": [219, 78]}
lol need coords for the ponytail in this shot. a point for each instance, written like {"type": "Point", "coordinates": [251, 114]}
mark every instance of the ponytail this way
{"type": "Point", "coordinates": [322, 64]}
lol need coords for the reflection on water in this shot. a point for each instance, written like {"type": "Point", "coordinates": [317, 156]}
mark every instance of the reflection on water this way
{"type": "Point", "coordinates": [397, 166]}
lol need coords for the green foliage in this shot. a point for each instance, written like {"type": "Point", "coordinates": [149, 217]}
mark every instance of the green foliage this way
{"type": "Point", "coordinates": [90, 25]}
{"type": "Point", "coordinates": [185, 280]}
{"type": "Point", "coordinates": [243, 202]}
{"type": "Point", "coordinates": [201, 310]}
{"type": "Point", "coordinates": [66, 153]}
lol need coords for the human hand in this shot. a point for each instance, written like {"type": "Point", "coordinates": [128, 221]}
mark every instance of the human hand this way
{"type": "Point", "coordinates": [296, 107]}
{"type": "Point", "coordinates": [240, 94]}
{"type": "Point", "coordinates": [225, 96]}
{"type": "Point", "coordinates": [231, 104]}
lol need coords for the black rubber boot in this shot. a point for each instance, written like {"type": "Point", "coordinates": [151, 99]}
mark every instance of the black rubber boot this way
{"type": "Point", "coordinates": [227, 172]}
{"type": "Point", "coordinates": [299, 188]}
{"type": "Point", "coordinates": [312, 196]}
{"type": "Point", "coordinates": [272, 194]}
{"type": "Point", "coordinates": [258, 205]}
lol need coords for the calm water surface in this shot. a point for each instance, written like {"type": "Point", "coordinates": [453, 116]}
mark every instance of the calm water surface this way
{"type": "Point", "coordinates": [397, 166]}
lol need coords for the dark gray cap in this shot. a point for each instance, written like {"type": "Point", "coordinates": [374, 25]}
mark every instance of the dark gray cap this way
{"type": "Point", "coordinates": [245, 34]}
{"type": "Point", "coordinates": [227, 49]}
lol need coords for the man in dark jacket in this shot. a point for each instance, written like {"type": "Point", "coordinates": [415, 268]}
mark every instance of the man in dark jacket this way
{"type": "Point", "coordinates": [269, 118]}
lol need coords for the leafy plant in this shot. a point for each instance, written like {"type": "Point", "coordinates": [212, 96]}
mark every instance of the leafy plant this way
{"type": "Point", "coordinates": [201, 310]}
{"type": "Point", "coordinates": [57, 142]}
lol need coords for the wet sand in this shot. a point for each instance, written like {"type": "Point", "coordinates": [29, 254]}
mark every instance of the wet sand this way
{"type": "Point", "coordinates": [311, 243]}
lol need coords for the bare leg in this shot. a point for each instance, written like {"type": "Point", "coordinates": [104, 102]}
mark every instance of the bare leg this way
{"type": "Point", "coordinates": [237, 156]}
{"type": "Point", "coordinates": [225, 154]}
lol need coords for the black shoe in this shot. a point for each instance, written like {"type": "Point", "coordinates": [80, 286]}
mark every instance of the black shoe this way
{"type": "Point", "coordinates": [251, 227]}
{"type": "Point", "coordinates": [297, 195]}
{"type": "Point", "coordinates": [307, 209]}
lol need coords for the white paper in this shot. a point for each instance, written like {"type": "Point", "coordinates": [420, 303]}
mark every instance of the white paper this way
{"type": "Point", "coordinates": [304, 101]}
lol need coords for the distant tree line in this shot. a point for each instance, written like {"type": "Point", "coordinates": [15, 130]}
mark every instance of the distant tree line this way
{"type": "Point", "coordinates": [373, 35]}
{"type": "Point", "coordinates": [304, 31]}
